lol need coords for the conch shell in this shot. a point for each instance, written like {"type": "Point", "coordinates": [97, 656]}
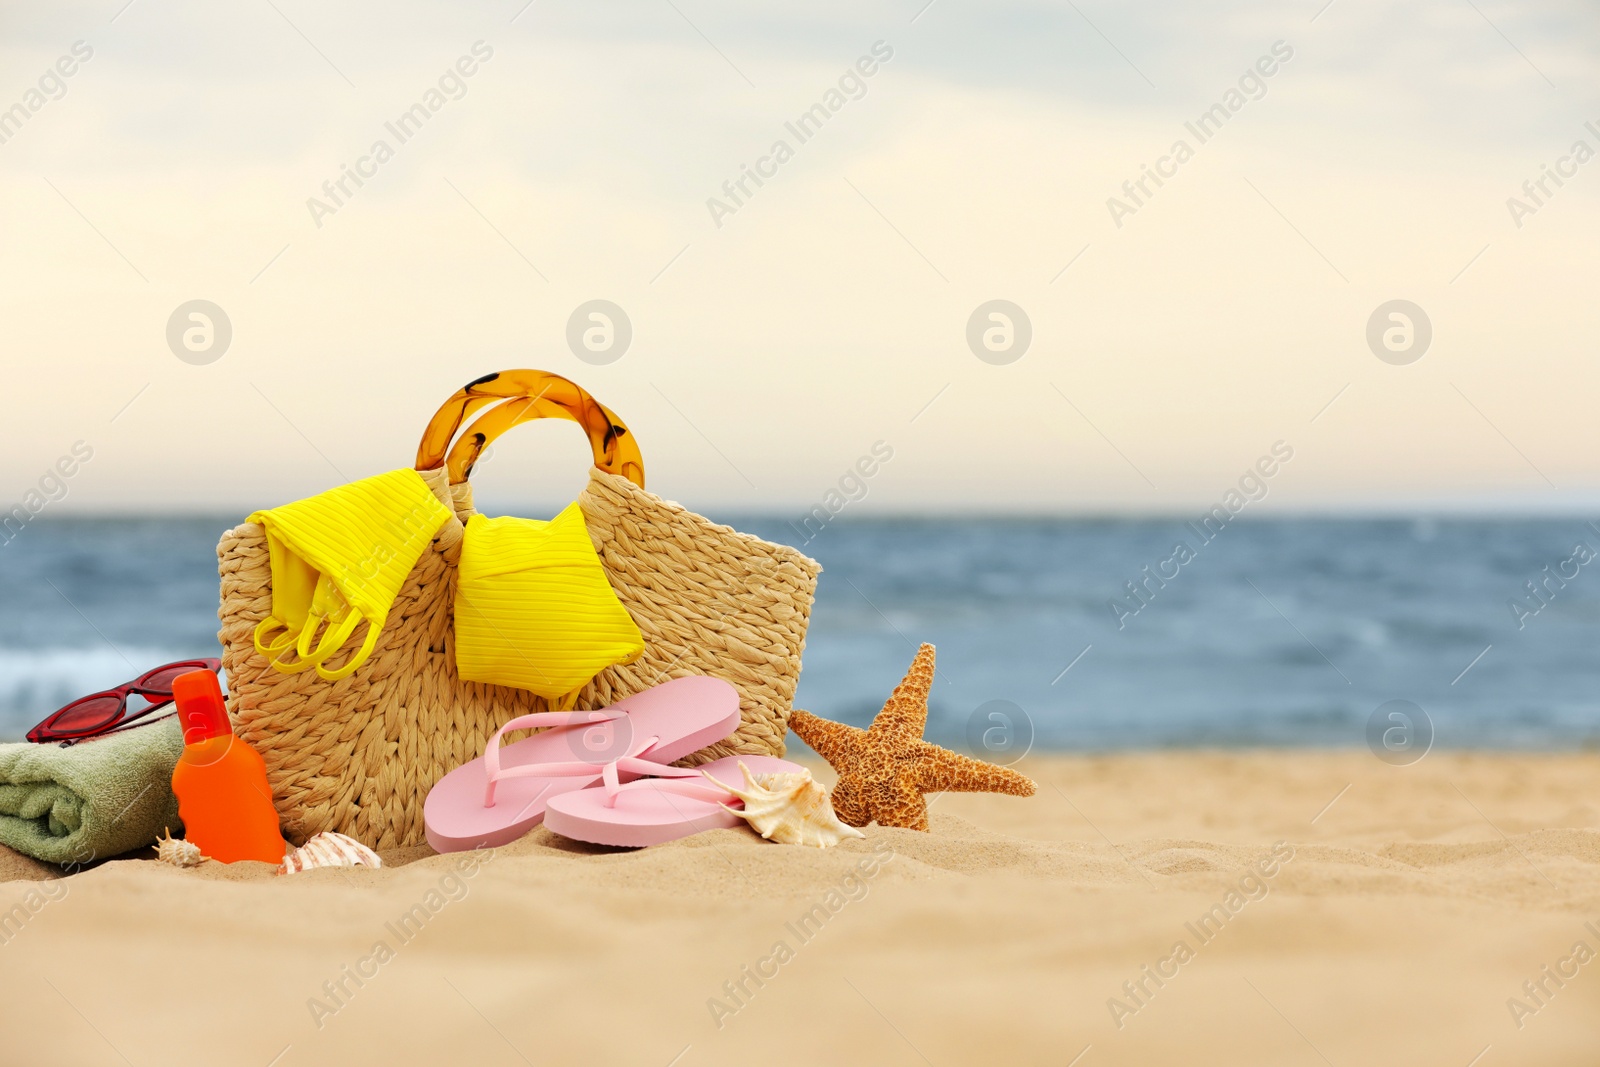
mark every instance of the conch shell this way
{"type": "Point", "coordinates": [329, 849]}
{"type": "Point", "coordinates": [790, 809]}
{"type": "Point", "coordinates": [178, 852]}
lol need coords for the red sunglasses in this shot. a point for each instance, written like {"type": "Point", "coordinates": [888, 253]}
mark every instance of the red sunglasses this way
{"type": "Point", "coordinates": [107, 711]}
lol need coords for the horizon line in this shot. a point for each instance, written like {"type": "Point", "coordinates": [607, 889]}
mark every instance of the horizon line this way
{"type": "Point", "coordinates": [1464, 511]}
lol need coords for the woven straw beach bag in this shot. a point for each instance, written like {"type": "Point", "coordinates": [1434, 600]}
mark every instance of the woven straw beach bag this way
{"type": "Point", "coordinates": [359, 755]}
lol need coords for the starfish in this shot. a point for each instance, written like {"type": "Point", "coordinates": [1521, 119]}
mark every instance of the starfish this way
{"type": "Point", "coordinates": [885, 769]}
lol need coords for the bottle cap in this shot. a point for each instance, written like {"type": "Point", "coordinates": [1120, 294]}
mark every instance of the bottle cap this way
{"type": "Point", "coordinates": [200, 708]}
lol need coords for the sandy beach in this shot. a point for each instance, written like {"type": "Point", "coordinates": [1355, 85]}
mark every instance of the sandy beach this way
{"type": "Point", "coordinates": [1392, 925]}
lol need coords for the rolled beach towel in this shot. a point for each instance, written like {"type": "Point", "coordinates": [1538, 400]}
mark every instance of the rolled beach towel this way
{"type": "Point", "coordinates": [92, 800]}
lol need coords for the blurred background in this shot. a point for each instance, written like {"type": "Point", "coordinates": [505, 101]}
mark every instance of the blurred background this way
{"type": "Point", "coordinates": [1064, 277]}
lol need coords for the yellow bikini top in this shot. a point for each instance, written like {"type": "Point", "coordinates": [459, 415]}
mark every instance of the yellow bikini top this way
{"type": "Point", "coordinates": [533, 606]}
{"type": "Point", "coordinates": [338, 559]}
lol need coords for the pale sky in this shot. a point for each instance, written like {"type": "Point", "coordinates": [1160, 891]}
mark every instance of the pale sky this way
{"type": "Point", "coordinates": [829, 311]}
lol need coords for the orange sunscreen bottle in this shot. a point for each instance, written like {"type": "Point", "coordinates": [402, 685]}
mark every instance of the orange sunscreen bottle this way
{"type": "Point", "coordinates": [221, 783]}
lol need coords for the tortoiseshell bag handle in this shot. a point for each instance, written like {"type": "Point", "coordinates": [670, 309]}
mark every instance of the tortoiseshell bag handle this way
{"type": "Point", "coordinates": [522, 396]}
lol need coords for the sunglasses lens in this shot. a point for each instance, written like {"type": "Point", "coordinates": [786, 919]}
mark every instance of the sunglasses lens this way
{"type": "Point", "coordinates": [86, 715]}
{"type": "Point", "coordinates": [160, 680]}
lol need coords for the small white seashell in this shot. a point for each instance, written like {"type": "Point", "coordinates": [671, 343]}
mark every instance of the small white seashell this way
{"type": "Point", "coordinates": [329, 849]}
{"type": "Point", "coordinates": [178, 852]}
{"type": "Point", "coordinates": [790, 809]}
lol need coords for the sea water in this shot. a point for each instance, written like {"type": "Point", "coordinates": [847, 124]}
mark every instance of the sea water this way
{"type": "Point", "coordinates": [1088, 634]}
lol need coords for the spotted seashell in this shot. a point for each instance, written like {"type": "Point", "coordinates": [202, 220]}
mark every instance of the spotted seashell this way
{"type": "Point", "coordinates": [329, 849]}
{"type": "Point", "coordinates": [790, 809]}
{"type": "Point", "coordinates": [178, 852]}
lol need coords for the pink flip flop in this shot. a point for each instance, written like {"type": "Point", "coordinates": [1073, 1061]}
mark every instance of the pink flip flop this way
{"type": "Point", "coordinates": [652, 811]}
{"type": "Point", "coordinates": [496, 799]}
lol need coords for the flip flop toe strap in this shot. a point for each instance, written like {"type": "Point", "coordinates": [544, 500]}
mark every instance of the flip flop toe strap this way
{"type": "Point", "coordinates": [491, 751]}
{"type": "Point", "coordinates": [610, 775]}
{"type": "Point", "coordinates": [685, 782]}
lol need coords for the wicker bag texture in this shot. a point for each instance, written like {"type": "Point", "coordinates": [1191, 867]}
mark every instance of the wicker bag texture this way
{"type": "Point", "coordinates": [359, 755]}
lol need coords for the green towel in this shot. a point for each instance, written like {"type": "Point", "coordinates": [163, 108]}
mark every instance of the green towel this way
{"type": "Point", "coordinates": [92, 800]}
